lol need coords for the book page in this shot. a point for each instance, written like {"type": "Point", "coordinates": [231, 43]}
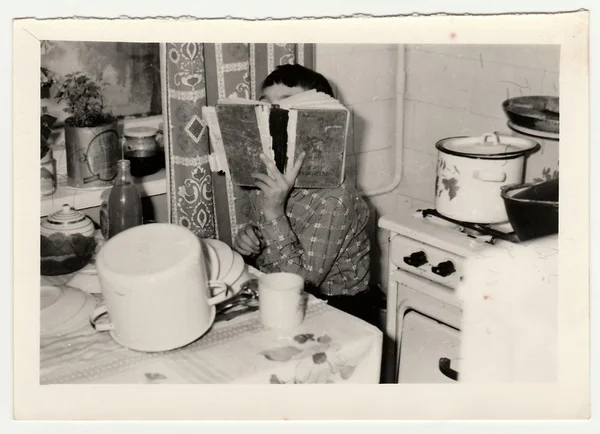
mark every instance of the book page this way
{"type": "Point", "coordinates": [322, 135]}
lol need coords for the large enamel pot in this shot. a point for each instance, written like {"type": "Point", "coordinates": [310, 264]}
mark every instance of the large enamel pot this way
{"type": "Point", "coordinates": [471, 172]}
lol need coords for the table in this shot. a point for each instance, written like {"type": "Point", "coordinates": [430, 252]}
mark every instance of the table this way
{"type": "Point", "coordinates": [329, 347]}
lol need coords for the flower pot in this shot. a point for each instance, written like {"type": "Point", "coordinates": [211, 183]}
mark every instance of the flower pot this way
{"type": "Point", "coordinates": [92, 154]}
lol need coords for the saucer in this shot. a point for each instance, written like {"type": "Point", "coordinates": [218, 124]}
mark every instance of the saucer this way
{"type": "Point", "coordinates": [211, 320]}
{"type": "Point", "coordinates": [64, 309]}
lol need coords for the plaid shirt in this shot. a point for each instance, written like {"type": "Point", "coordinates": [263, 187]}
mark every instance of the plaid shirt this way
{"type": "Point", "coordinates": [322, 237]}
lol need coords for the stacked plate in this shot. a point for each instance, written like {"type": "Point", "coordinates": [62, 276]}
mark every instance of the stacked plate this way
{"type": "Point", "coordinates": [225, 265]}
{"type": "Point", "coordinates": [222, 263]}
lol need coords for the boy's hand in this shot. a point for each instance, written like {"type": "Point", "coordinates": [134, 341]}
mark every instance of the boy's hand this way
{"type": "Point", "coordinates": [248, 241]}
{"type": "Point", "coordinates": [276, 187]}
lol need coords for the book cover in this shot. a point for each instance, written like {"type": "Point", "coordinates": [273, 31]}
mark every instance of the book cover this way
{"type": "Point", "coordinates": [311, 122]}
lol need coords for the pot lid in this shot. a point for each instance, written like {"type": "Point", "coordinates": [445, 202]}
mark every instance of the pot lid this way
{"type": "Point", "coordinates": [140, 132]}
{"type": "Point", "coordinates": [68, 221]}
{"type": "Point", "coordinates": [488, 146]}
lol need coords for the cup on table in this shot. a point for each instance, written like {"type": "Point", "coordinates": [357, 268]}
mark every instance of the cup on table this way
{"type": "Point", "coordinates": [281, 300]}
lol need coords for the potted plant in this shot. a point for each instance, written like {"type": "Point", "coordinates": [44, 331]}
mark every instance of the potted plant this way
{"type": "Point", "coordinates": [91, 138]}
{"type": "Point", "coordinates": [47, 80]}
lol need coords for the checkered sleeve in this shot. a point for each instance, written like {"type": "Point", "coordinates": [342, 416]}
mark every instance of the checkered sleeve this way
{"type": "Point", "coordinates": [312, 252]}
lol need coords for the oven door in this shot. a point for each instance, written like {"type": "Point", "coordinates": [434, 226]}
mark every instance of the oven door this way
{"type": "Point", "coordinates": [429, 351]}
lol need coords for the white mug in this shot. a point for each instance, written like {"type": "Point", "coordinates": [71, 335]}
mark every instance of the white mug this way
{"type": "Point", "coordinates": [281, 300]}
{"type": "Point", "coordinates": [156, 288]}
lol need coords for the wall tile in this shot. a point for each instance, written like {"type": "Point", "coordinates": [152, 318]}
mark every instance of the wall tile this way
{"type": "Point", "coordinates": [352, 48]}
{"type": "Point", "coordinates": [494, 83]}
{"type": "Point", "coordinates": [418, 176]}
{"type": "Point", "coordinates": [365, 76]}
{"type": "Point", "coordinates": [465, 51]}
{"type": "Point", "coordinates": [374, 125]}
{"type": "Point", "coordinates": [375, 169]}
{"type": "Point", "coordinates": [527, 56]}
{"type": "Point", "coordinates": [384, 204]}
{"type": "Point", "coordinates": [403, 201]}
{"type": "Point", "coordinates": [426, 123]}
{"type": "Point", "coordinates": [439, 79]}
{"type": "Point", "coordinates": [325, 64]}
{"type": "Point", "coordinates": [423, 204]}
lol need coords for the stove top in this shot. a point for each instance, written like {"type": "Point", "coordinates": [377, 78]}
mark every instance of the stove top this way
{"type": "Point", "coordinates": [488, 233]}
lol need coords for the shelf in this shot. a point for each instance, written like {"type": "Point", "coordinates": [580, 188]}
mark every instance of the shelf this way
{"type": "Point", "coordinates": [151, 185]}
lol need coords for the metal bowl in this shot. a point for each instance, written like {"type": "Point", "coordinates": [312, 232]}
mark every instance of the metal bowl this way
{"type": "Point", "coordinates": [532, 208]}
{"type": "Point", "coordinates": [539, 113]}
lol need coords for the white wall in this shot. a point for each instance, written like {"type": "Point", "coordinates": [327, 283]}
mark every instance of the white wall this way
{"type": "Point", "coordinates": [450, 90]}
{"type": "Point", "coordinates": [364, 79]}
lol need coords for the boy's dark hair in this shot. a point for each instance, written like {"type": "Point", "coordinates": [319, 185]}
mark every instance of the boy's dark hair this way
{"type": "Point", "coordinates": [293, 75]}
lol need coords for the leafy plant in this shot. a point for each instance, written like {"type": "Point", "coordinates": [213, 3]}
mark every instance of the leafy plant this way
{"type": "Point", "coordinates": [46, 122]}
{"type": "Point", "coordinates": [84, 101]}
{"type": "Point", "coordinates": [47, 78]}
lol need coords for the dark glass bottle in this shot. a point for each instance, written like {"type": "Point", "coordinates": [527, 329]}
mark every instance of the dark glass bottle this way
{"type": "Point", "coordinates": [124, 202]}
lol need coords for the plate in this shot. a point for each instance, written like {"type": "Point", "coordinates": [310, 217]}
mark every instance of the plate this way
{"type": "Point", "coordinates": [64, 309]}
{"type": "Point", "coordinates": [534, 133]}
{"type": "Point", "coordinates": [211, 320]}
{"type": "Point", "coordinates": [225, 254]}
{"type": "Point", "coordinates": [237, 276]}
{"type": "Point", "coordinates": [212, 261]}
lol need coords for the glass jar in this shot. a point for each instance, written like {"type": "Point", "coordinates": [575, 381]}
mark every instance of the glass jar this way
{"type": "Point", "coordinates": [67, 242]}
{"type": "Point", "coordinates": [124, 202]}
{"type": "Point", "coordinates": [142, 150]}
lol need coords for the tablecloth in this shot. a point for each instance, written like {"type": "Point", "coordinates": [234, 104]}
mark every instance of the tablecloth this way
{"type": "Point", "coordinates": [329, 347]}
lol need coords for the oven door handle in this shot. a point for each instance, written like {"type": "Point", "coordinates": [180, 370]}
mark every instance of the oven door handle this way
{"type": "Point", "coordinates": [444, 365]}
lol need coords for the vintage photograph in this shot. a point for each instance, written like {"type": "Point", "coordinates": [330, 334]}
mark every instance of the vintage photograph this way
{"type": "Point", "coordinates": [298, 213]}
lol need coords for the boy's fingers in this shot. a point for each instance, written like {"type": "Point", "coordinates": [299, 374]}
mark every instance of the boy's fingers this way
{"type": "Point", "coordinates": [272, 168]}
{"type": "Point", "coordinates": [264, 187]}
{"type": "Point", "coordinates": [267, 180]}
{"type": "Point", "coordinates": [251, 236]}
{"type": "Point", "coordinates": [291, 178]}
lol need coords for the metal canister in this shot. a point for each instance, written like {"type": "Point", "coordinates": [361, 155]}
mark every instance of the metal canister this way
{"type": "Point", "coordinates": [92, 155]}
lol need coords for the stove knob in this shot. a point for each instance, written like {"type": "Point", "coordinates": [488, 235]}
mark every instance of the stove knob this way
{"type": "Point", "coordinates": [444, 269]}
{"type": "Point", "coordinates": [416, 259]}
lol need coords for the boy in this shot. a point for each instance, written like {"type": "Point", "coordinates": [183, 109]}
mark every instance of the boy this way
{"type": "Point", "coordinates": [316, 233]}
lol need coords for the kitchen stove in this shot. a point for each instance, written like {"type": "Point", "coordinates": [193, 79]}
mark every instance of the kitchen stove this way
{"type": "Point", "coordinates": [484, 232]}
{"type": "Point", "coordinates": [426, 265]}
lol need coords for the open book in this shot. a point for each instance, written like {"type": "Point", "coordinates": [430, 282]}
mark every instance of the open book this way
{"type": "Point", "coordinates": [313, 122]}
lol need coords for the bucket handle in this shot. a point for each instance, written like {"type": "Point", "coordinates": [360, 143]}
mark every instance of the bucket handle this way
{"type": "Point", "coordinates": [496, 139]}
{"type": "Point", "coordinates": [488, 176]}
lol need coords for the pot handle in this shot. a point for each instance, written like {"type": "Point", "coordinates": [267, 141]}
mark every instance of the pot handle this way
{"type": "Point", "coordinates": [494, 136]}
{"type": "Point", "coordinates": [489, 176]}
{"type": "Point", "coordinates": [100, 327]}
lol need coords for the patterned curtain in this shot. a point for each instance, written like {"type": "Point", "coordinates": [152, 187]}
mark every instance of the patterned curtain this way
{"type": "Point", "coordinates": [195, 75]}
